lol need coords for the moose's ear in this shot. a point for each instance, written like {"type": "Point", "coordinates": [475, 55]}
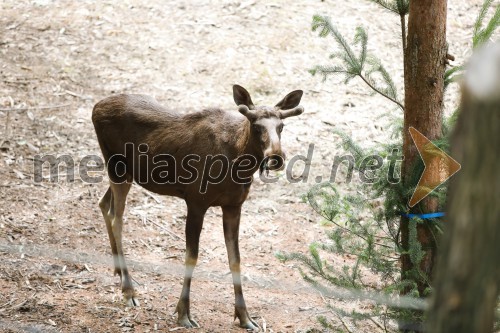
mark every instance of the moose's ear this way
{"type": "Point", "coordinates": [242, 97]}
{"type": "Point", "coordinates": [291, 100]}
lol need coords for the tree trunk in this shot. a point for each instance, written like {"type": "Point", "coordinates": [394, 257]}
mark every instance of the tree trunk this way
{"type": "Point", "coordinates": [424, 67]}
{"type": "Point", "coordinates": [468, 275]}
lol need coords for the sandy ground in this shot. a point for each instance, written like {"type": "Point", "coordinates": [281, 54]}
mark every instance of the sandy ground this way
{"type": "Point", "coordinates": [58, 58]}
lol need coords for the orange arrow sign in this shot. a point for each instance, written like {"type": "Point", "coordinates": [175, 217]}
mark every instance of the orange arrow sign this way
{"type": "Point", "coordinates": [439, 167]}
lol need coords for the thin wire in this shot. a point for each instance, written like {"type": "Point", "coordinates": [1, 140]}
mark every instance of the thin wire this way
{"type": "Point", "coordinates": [178, 269]}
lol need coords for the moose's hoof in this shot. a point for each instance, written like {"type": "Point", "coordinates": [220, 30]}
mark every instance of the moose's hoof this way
{"type": "Point", "coordinates": [250, 325]}
{"type": "Point", "coordinates": [130, 297]}
{"type": "Point", "coordinates": [187, 322]}
{"type": "Point", "coordinates": [132, 302]}
{"type": "Point", "coordinates": [245, 320]}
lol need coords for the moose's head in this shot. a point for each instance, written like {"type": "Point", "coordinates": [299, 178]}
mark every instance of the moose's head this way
{"type": "Point", "coordinates": [266, 124]}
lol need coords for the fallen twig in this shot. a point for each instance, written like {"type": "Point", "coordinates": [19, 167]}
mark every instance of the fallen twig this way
{"type": "Point", "coordinates": [146, 245]}
{"type": "Point", "coordinates": [17, 306]}
{"type": "Point", "coordinates": [166, 230]}
{"type": "Point", "coordinates": [155, 198]}
{"type": "Point", "coordinates": [74, 94]}
{"type": "Point", "coordinates": [45, 107]}
{"type": "Point", "coordinates": [343, 322]}
{"type": "Point", "coordinates": [7, 128]}
{"type": "Point", "coordinates": [8, 303]}
{"type": "Point", "coordinates": [376, 323]}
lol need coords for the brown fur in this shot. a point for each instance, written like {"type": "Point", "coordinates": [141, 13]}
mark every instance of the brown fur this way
{"type": "Point", "coordinates": [139, 119]}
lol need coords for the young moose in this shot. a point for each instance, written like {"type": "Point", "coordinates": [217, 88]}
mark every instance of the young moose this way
{"type": "Point", "coordinates": [187, 151]}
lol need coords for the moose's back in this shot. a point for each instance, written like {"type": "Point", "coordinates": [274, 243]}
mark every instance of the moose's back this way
{"type": "Point", "coordinates": [121, 119]}
{"type": "Point", "coordinates": [142, 141]}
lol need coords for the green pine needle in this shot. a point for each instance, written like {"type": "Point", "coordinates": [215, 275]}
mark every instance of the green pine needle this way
{"type": "Point", "coordinates": [352, 66]}
{"type": "Point", "coordinates": [400, 7]}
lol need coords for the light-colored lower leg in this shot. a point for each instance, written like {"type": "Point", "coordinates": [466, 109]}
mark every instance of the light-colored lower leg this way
{"type": "Point", "coordinates": [194, 223]}
{"type": "Point", "coordinates": [119, 194]}
{"type": "Point", "coordinates": [106, 205]}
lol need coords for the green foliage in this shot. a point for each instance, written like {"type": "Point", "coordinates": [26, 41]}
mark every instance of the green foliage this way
{"type": "Point", "coordinates": [366, 229]}
{"type": "Point", "coordinates": [451, 75]}
{"type": "Point", "coordinates": [480, 35]}
{"type": "Point", "coordinates": [400, 7]}
{"type": "Point", "coordinates": [350, 65]}
{"type": "Point", "coordinates": [365, 224]}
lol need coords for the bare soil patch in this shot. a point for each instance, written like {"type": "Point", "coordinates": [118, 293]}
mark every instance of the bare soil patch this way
{"type": "Point", "coordinates": [59, 58]}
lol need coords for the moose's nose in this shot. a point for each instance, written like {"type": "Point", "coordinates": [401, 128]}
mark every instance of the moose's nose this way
{"type": "Point", "coordinates": [274, 161]}
{"type": "Point", "coordinates": [274, 157]}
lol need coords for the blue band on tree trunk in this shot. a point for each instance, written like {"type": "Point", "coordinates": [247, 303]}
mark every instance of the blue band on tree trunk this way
{"type": "Point", "coordinates": [424, 216]}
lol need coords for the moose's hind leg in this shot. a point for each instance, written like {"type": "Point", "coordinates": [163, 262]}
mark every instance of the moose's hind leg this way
{"type": "Point", "coordinates": [119, 196]}
{"type": "Point", "coordinates": [106, 205]}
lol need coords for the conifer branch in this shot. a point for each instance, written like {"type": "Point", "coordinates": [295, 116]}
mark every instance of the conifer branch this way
{"type": "Point", "coordinates": [380, 92]}
{"type": "Point", "coordinates": [479, 36]}
{"type": "Point", "coordinates": [400, 7]}
{"type": "Point", "coordinates": [352, 65]}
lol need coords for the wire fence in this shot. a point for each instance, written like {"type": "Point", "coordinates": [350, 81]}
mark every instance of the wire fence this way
{"type": "Point", "coordinates": [173, 269]}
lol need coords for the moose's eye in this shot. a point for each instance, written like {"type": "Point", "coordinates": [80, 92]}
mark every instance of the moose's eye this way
{"type": "Point", "coordinates": [257, 128]}
{"type": "Point", "coordinates": [280, 128]}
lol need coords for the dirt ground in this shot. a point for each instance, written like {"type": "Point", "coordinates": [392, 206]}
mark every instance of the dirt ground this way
{"type": "Point", "coordinates": [58, 58]}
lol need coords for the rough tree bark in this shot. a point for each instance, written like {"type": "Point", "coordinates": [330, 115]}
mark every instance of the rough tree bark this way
{"type": "Point", "coordinates": [468, 273]}
{"type": "Point", "coordinates": [424, 67]}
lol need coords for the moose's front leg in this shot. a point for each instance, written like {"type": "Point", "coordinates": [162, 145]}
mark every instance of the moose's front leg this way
{"type": "Point", "coordinates": [231, 220]}
{"type": "Point", "coordinates": [194, 223]}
